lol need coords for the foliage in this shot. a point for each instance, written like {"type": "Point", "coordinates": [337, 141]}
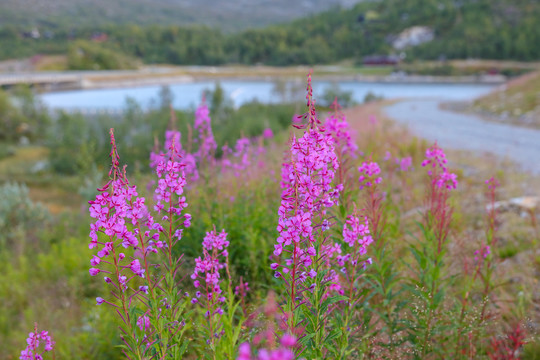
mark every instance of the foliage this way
{"type": "Point", "coordinates": [19, 219]}
{"type": "Point", "coordinates": [84, 55]}
{"type": "Point", "coordinates": [502, 29]}
{"type": "Point", "coordinates": [399, 296]}
{"type": "Point", "coordinates": [21, 115]}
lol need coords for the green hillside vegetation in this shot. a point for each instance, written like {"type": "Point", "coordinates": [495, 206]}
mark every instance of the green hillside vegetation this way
{"type": "Point", "coordinates": [518, 102]}
{"type": "Point", "coordinates": [501, 29]}
{"type": "Point", "coordinates": [87, 55]}
{"type": "Point", "coordinates": [233, 15]}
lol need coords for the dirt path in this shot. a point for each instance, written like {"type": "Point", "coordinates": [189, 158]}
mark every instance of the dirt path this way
{"type": "Point", "coordinates": [425, 118]}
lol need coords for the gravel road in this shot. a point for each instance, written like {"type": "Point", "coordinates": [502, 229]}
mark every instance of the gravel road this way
{"type": "Point", "coordinates": [468, 132]}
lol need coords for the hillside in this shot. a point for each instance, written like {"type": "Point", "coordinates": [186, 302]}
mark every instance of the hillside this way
{"type": "Point", "coordinates": [517, 102]}
{"type": "Point", "coordinates": [228, 15]}
{"type": "Point", "coordinates": [424, 29]}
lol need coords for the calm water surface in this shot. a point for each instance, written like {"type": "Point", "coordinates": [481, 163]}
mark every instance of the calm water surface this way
{"type": "Point", "coordinates": [188, 95]}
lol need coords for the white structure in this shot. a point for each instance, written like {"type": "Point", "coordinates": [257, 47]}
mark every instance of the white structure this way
{"type": "Point", "coordinates": [413, 36]}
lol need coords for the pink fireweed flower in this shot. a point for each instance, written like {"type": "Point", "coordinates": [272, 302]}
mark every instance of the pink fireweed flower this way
{"type": "Point", "coordinates": [368, 174]}
{"type": "Point", "coordinates": [441, 178]}
{"type": "Point", "coordinates": [32, 352]}
{"type": "Point", "coordinates": [143, 322]}
{"type": "Point", "coordinates": [123, 221]}
{"type": "Point", "coordinates": [307, 178]}
{"type": "Point", "coordinates": [492, 183]}
{"type": "Point", "coordinates": [207, 143]}
{"type": "Point", "coordinates": [283, 352]}
{"type": "Point", "coordinates": [356, 232]}
{"type": "Point", "coordinates": [404, 163]}
{"type": "Point", "coordinates": [174, 152]}
{"type": "Point", "coordinates": [267, 133]}
{"type": "Point", "coordinates": [336, 125]}
{"type": "Point", "coordinates": [482, 253]}
{"type": "Point", "coordinates": [240, 159]}
{"type": "Point", "coordinates": [440, 211]}
{"type": "Point", "coordinates": [207, 268]}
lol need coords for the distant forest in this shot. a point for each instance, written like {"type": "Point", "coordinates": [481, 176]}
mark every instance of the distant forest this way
{"type": "Point", "coordinates": [490, 29]}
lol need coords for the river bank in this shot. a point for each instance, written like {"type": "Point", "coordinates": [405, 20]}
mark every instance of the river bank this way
{"type": "Point", "coordinates": [162, 75]}
{"type": "Point", "coordinates": [428, 119]}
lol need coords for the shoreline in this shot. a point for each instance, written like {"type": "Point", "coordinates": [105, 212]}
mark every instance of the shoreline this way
{"type": "Point", "coordinates": [89, 80]}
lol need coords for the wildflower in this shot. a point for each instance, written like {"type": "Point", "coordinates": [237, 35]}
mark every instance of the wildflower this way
{"type": "Point", "coordinates": [357, 233]}
{"type": "Point", "coordinates": [143, 322]}
{"type": "Point", "coordinates": [404, 163]}
{"type": "Point", "coordinates": [207, 267]}
{"type": "Point", "coordinates": [307, 178]}
{"type": "Point", "coordinates": [338, 128]}
{"type": "Point", "coordinates": [207, 144]}
{"type": "Point", "coordinates": [267, 133]}
{"type": "Point", "coordinates": [368, 174]}
{"type": "Point", "coordinates": [99, 300]}
{"type": "Point", "coordinates": [31, 352]}
{"type": "Point", "coordinates": [492, 183]}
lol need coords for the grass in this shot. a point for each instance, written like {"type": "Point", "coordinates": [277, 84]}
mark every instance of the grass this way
{"type": "Point", "coordinates": [250, 218]}
{"type": "Point", "coordinates": [518, 102]}
{"type": "Point", "coordinates": [55, 192]}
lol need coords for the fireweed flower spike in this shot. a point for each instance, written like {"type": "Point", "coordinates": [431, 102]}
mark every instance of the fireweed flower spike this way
{"type": "Point", "coordinates": [283, 352]}
{"type": "Point", "coordinates": [206, 279]}
{"type": "Point", "coordinates": [172, 141]}
{"type": "Point", "coordinates": [207, 143]}
{"type": "Point", "coordinates": [123, 222]}
{"type": "Point", "coordinates": [307, 194]}
{"type": "Point", "coordinates": [336, 125]}
{"type": "Point", "coordinates": [441, 183]}
{"type": "Point", "coordinates": [32, 350]}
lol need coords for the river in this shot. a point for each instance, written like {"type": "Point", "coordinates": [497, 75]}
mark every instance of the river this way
{"type": "Point", "coordinates": [425, 118]}
{"type": "Point", "coordinates": [419, 109]}
{"type": "Point", "coordinates": [187, 95]}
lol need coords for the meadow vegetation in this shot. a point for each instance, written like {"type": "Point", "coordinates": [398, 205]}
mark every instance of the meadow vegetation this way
{"type": "Point", "coordinates": [343, 237]}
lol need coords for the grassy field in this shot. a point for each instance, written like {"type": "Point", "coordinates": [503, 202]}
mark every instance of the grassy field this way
{"type": "Point", "coordinates": [59, 294]}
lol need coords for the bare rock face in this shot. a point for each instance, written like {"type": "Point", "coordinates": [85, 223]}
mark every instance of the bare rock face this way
{"type": "Point", "coordinates": [413, 36]}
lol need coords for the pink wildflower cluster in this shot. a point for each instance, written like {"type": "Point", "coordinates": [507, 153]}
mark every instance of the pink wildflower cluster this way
{"type": "Point", "coordinates": [307, 191]}
{"type": "Point", "coordinates": [492, 183]}
{"type": "Point", "coordinates": [124, 220]}
{"type": "Point", "coordinates": [283, 352]}
{"type": "Point", "coordinates": [239, 159]}
{"type": "Point", "coordinates": [172, 141]}
{"type": "Point", "coordinates": [482, 253]}
{"type": "Point", "coordinates": [172, 180]}
{"type": "Point", "coordinates": [442, 182]}
{"type": "Point", "coordinates": [336, 125]}
{"type": "Point", "coordinates": [368, 174]}
{"type": "Point", "coordinates": [207, 267]}
{"type": "Point", "coordinates": [268, 133]}
{"type": "Point", "coordinates": [357, 235]}
{"type": "Point", "coordinates": [242, 289]}
{"type": "Point", "coordinates": [436, 157]}
{"type": "Point", "coordinates": [32, 349]}
{"type": "Point", "coordinates": [404, 163]}
{"type": "Point", "coordinates": [207, 143]}
{"type": "Point", "coordinates": [143, 322]}
{"type": "Point", "coordinates": [307, 194]}
{"type": "Point", "coordinates": [356, 232]}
